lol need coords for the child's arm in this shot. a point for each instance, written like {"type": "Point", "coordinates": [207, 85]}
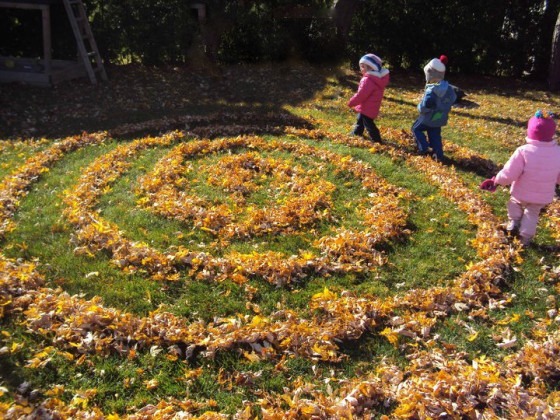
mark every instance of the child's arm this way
{"type": "Point", "coordinates": [512, 169]}
{"type": "Point", "coordinates": [427, 103]}
{"type": "Point", "coordinates": [364, 91]}
{"type": "Point", "coordinates": [452, 94]}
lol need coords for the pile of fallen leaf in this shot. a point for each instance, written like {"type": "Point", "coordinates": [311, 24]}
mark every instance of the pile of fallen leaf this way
{"type": "Point", "coordinates": [343, 251]}
{"type": "Point", "coordinates": [14, 186]}
{"type": "Point", "coordinates": [299, 198]}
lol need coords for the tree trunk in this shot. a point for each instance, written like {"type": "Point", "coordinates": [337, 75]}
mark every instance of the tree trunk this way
{"type": "Point", "coordinates": [343, 13]}
{"type": "Point", "coordinates": [554, 69]}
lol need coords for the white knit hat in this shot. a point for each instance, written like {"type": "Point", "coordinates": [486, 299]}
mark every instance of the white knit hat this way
{"type": "Point", "coordinates": [434, 70]}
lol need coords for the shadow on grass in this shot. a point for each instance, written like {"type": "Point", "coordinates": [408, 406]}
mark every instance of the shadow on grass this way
{"type": "Point", "coordinates": [241, 95]}
{"type": "Point", "coordinates": [137, 94]}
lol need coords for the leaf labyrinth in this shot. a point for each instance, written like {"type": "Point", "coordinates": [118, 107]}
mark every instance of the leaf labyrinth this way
{"type": "Point", "coordinates": [345, 250]}
{"type": "Point", "coordinates": [437, 382]}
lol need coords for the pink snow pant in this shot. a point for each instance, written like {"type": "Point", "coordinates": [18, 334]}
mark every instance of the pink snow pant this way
{"type": "Point", "coordinates": [525, 216]}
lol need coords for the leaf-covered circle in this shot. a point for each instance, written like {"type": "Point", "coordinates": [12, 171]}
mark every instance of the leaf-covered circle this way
{"type": "Point", "coordinates": [164, 191]}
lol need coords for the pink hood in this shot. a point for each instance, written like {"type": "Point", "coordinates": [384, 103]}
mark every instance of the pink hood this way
{"type": "Point", "coordinates": [367, 99]}
{"type": "Point", "coordinates": [533, 172]}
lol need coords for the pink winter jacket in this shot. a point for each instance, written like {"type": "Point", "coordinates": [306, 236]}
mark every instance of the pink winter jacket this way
{"type": "Point", "coordinates": [533, 172]}
{"type": "Point", "coordinates": [367, 99]}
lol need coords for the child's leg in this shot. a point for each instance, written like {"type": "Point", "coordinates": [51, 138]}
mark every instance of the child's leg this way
{"type": "Point", "coordinates": [529, 222]}
{"type": "Point", "coordinates": [358, 128]}
{"type": "Point", "coordinates": [371, 128]}
{"type": "Point", "coordinates": [418, 132]}
{"type": "Point", "coordinates": [515, 213]}
{"type": "Point", "coordinates": [434, 138]}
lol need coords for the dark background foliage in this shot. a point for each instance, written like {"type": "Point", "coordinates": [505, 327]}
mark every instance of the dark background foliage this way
{"type": "Point", "coordinates": [502, 37]}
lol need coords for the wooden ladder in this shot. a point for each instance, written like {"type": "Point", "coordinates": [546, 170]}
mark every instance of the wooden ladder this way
{"type": "Point", "coordinates": [87, 47]}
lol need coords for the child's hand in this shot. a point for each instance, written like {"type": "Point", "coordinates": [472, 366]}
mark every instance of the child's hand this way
{"type": "Point", "coordinates": [488, 185]}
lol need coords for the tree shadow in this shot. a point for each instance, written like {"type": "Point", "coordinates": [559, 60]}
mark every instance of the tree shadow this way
{"type": "Point", "coordinates": [466, 104]}
{"type": "Point", "coordinates": [546, 248]}
{"type": "Point", "coordinates": [244, 98]}
{"type": "Point", "coordinates": [348, 81]}
{"type": "Point", "coordinates": [147, 100]}
{"type": "Point", "coordinates": [480, 166]}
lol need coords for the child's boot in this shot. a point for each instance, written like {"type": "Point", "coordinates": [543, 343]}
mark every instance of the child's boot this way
{"type": "Point", "coordinates": [512, 228]}
{"type": "Point", "coordinates": [356, 132]}
{"type": "Point", "coordinates": [525, 241]}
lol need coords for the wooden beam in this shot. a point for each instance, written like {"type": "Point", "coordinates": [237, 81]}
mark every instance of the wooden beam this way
{"type": "Point", "coordinates": [47, 42]}
{"type": "Point", "coordinates": [52, 71]}
{"type": "Point", "coordinates": [27, 6]}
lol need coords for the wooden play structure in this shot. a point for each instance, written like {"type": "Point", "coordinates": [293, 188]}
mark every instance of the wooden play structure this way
{"type": "Point", "coordinates": [46, 71]}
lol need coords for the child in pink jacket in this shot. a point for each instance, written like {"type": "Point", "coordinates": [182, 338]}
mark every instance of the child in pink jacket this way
{"type": "Point", "coordinates": [533, 172]}
{"type": "Point", "coordinates": [367, 99]}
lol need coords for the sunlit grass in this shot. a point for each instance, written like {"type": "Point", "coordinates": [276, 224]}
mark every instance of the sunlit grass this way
{"type": "Point", "coordinates": [434, 250]}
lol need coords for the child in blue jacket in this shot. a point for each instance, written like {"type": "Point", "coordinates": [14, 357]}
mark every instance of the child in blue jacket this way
{"type": "Point", "coordinates": [434, 109]}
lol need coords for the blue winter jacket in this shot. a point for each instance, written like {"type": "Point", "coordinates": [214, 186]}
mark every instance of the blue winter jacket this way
{"type": "Point", "coordinates": [436, 104]}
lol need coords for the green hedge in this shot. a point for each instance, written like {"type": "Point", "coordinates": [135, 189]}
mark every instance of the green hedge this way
{"type": "Point", "coordinates": [503, 37]}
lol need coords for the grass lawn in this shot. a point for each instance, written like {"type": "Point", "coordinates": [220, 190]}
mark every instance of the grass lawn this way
{"type": "Point", "coordinates": [212, 244]}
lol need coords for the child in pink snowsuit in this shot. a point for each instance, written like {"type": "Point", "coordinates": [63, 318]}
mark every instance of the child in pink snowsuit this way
{"type": "Point", "coordinates": [533, 172]}
{"type": "Point", "coordinates": [367, 99]}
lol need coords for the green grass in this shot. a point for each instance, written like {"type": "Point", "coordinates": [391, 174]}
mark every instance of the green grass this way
{"type": "Point", "coordinates": [13, 154]}
{"type": "Point", "coordinates": [434, 252]}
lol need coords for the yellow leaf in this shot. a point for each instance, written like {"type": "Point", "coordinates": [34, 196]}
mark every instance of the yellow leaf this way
{"type": "Point", "coordinates": [193, 373]}
{"type": "Point", "coordinates": [287, 399]}
{"type": "Point", "coordinates": [15, 347]}
{"type": "Point", "coordinates": [258, 321]}
{"type": "Point", "coordinates": [55, 391]}
{"type": "Point", "coordinates": [308, 410]}
{"type": "Point", "coordinates": [390, 335]}
{"type": "Point", "coordinates": [66, 355]}
{"type": "Point", "coordinates": [151, 384]}
{"type": "Point", "coordinates": [509, 320]}
{"type": "Point", "coordinates": [307, 255]}
{"type": "Point", "coordinates": [473, 336]}
{"type": "Point", "coordinates": [79, 402]}
{"type": "Point", "coordinates": [325, 294]}
{"type": "Point", "coordinates": [253, 357]}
